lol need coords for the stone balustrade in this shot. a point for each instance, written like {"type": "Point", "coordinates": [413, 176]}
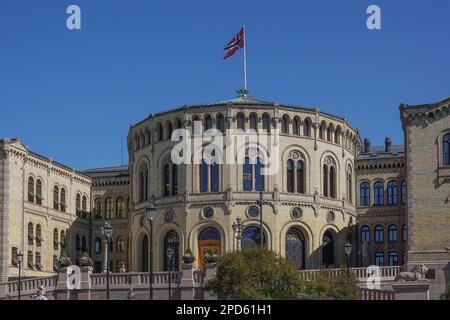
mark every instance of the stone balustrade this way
{"type": "Point", "coordinates": [377, 295]}
{"type": "Point", "coordinates": [387, 273]}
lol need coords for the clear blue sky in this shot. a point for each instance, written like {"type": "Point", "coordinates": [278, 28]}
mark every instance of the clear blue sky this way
{"type": "Point", "coordinates": [72, 95]}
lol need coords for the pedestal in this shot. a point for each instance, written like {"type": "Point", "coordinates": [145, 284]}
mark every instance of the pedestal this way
{"type": "Point", "coordinates": [187, 283]}
{"type": "Point", "coordinates": [412, 290]}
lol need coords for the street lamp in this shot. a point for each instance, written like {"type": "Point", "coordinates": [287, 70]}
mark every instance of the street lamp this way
{"type": "Point", "coordinates": [261, 201]}
{"type": "Point", "coordinates": [150, 213]}
{"type": "Point", "coordinates": [19, 261]}
{"type": "Point", "coordinates": [170, 253]}
{"type": "Point", "coordinates": [107, 231]}
{"type": "Point", "coordinates": [348, 250]}
{"type": "Point", "coordinates": [238, 227]}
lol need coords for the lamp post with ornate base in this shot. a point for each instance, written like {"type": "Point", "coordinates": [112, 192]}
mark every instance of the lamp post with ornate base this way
{"type": "Point", "coordinates": [348, 250]}
{"type": "Point", "coordinates": [19, 261]}
{"type": "Point", "coordinates": [150, 213]}
{"type": "Point", "coordinates": [107, 231]}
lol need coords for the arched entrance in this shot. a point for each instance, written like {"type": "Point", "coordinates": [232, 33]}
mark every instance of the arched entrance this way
{"type": "Point", "coordinates": [172, 240]}
{"type": "Point", "coordinates": [251, 237]}
{"type": "Point", "coordinates": [144, 254]}
{"type": "Point", "coordinates": [208, 240]}
{"type": "Point", "coordinates": [296, 248]}
{"type": "Point", "coordinates": [327, 249]}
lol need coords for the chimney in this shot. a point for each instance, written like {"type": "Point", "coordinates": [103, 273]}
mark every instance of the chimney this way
{"type": "Point", "coordinates": [388, 144]}
{"type": "Point", "coordinates": [366, 145]}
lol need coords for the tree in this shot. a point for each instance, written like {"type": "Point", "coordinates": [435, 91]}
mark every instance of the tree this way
{"type": "Point", "coordinates": [255, 274]}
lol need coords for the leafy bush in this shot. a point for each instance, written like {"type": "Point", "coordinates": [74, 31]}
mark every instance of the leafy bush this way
{"type": "Point", "coordinates": [255, 274]}
{"type": "Point", "coordinates": [341, 287]}
{"type": "Point", "coordinates": [85, 260]}
{"type": "Point", "coordinates": [64, 260]}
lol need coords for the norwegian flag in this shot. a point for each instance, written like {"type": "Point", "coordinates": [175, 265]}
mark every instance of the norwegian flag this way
{"type": "Point", "coordinates": [238, 42]}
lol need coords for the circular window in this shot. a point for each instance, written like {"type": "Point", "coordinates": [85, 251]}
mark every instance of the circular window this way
{"type": "Point", "coordinates": [330, 217]}
{"type": "Point", "coordinates": [169, 216]}
{"type": "Point", "coordinates": [297, 213]}
{"type": "Point", "coordinates": [208, 213]}
{"type": "Point", "coordinates": [253, 212]}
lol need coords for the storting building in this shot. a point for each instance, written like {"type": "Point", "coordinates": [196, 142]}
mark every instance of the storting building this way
{"type": "Point", "coordinates": [330, 188]}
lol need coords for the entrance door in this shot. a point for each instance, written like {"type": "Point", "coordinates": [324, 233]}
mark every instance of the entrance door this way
{"type": "Point", "coordinates": [209, 240]}
{"type": "Point", "coordinates": [295, 248]}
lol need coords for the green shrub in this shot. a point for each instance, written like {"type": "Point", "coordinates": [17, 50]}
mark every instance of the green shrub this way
{"type": "Point", "coordinates": [255, 274]}
{"type": "Point", "coordinates": [341, 287]}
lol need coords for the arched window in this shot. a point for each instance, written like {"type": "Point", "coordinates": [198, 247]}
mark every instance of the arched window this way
{"type": "Point", "coordinates": [403, 192]}
{"type": "Point", "coordinates": [30, 233]}
{"type": "Point", "coordinates": [322, 129]}
{"type": "Point", "coordinates": [251, 237]}
{"type": "Point", "coordinates": [404, 233]}
{"type": "Point", "coordinates": [240, 119]}
{"type": "Point", "coordinates": [392, 191]}
{"type": "Point", "coordinates": [166, 175]}
{"type": "Point", "coordinates": [98, 209]}
{"type": "Point", "coordinates": [78, 204]}
{"type": "Point", "coordinates": [120, 208]}
{"type": "Point", "coordinates": [253, 122]}
{"type": "Point", "coordinates": [143, 183]}
{"type": "Point", "coordinates": [39, 192]}
{"type": "Point", "coordinates": [84, 205]}
{"type": "Point", "coordinates": [337, 135]}
{"type": "Point", "coordinates": [393, 233]}
{"type": "Point", "coordinates": [393, 258]}
{"type": "Point", "coordinates": [144, 254]}
{"type": "Point", "coordinates": [204, 177]}
{"type": "Point", "coordinates": [446, 149]}
{"type": "Point", "coordinates": [329, 178]}
{"type": "Point", "coordinates": [55, 239]}
{"type": "Point", "coordinates": [38, 235]}
{"type": "Point", "coordinates": [120, 244]}
{"type": "Point", "coordinates": [296, 126]}
{"type": "Point", "coordinates": [253, 178]}
{"type": "Point", "coordinates": [285, 124]}
{"type": "Point", "coordinates": [379, 259]}
{"type": "Point", "coordinates": [62, 239]}
{"type": "Point", "coordinates": [171, 240]}
{"type": "Point", "coordinates": [266, 122]}
{"type": "Point", "coordinates": [327, 249]}
{"type": "Point", "coordinates": [209, 177]}
{"type": "Point", "coordinates": [221, 123]}
{"type": "Point", "coordinates": [290, 176]}
{"type": "Point", "coordinates": [97, 245]}
{"type": "Point", "coordinates": [62, 200]}
{"type": "Point", "coordinates": [295, 248]}
{"type": "Point", "coordinates": [329, 132]}
{"type": "Point", "coordinates": [364, 194]}
{"type": "Point", "coordinates": [56, 198]}
{"type": "Point", "coordinates": [379, 234]}
{"type": "Point", "coordinates": [208, 122]}
{"type": "Point", "coordinates": [160, 132]}
{"type": "Point", "coordinates": [178, 124]}
{"type": "Point", "coordinates": [248, 175]}
{"type": "Point", "coordinates": [31, 189]}
{"type": "Point", "coordinates": [378, 193]}
{"type": "Point", "coordinates": [350, 184]}
{"type": "Point", "coordinates": [365, 234]}
{"type": "Point", "coordinates": [108, 208]}
{"type": "Point", "coordinates": [169, 130]}
{"type": "Point", "coordinates": [307, 127]}
{"type": "Point", "coordinates": [296, 173]}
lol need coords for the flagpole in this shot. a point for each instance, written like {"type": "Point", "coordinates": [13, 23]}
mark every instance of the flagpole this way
{"type": "Point", "coordinates": [245, 58]}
